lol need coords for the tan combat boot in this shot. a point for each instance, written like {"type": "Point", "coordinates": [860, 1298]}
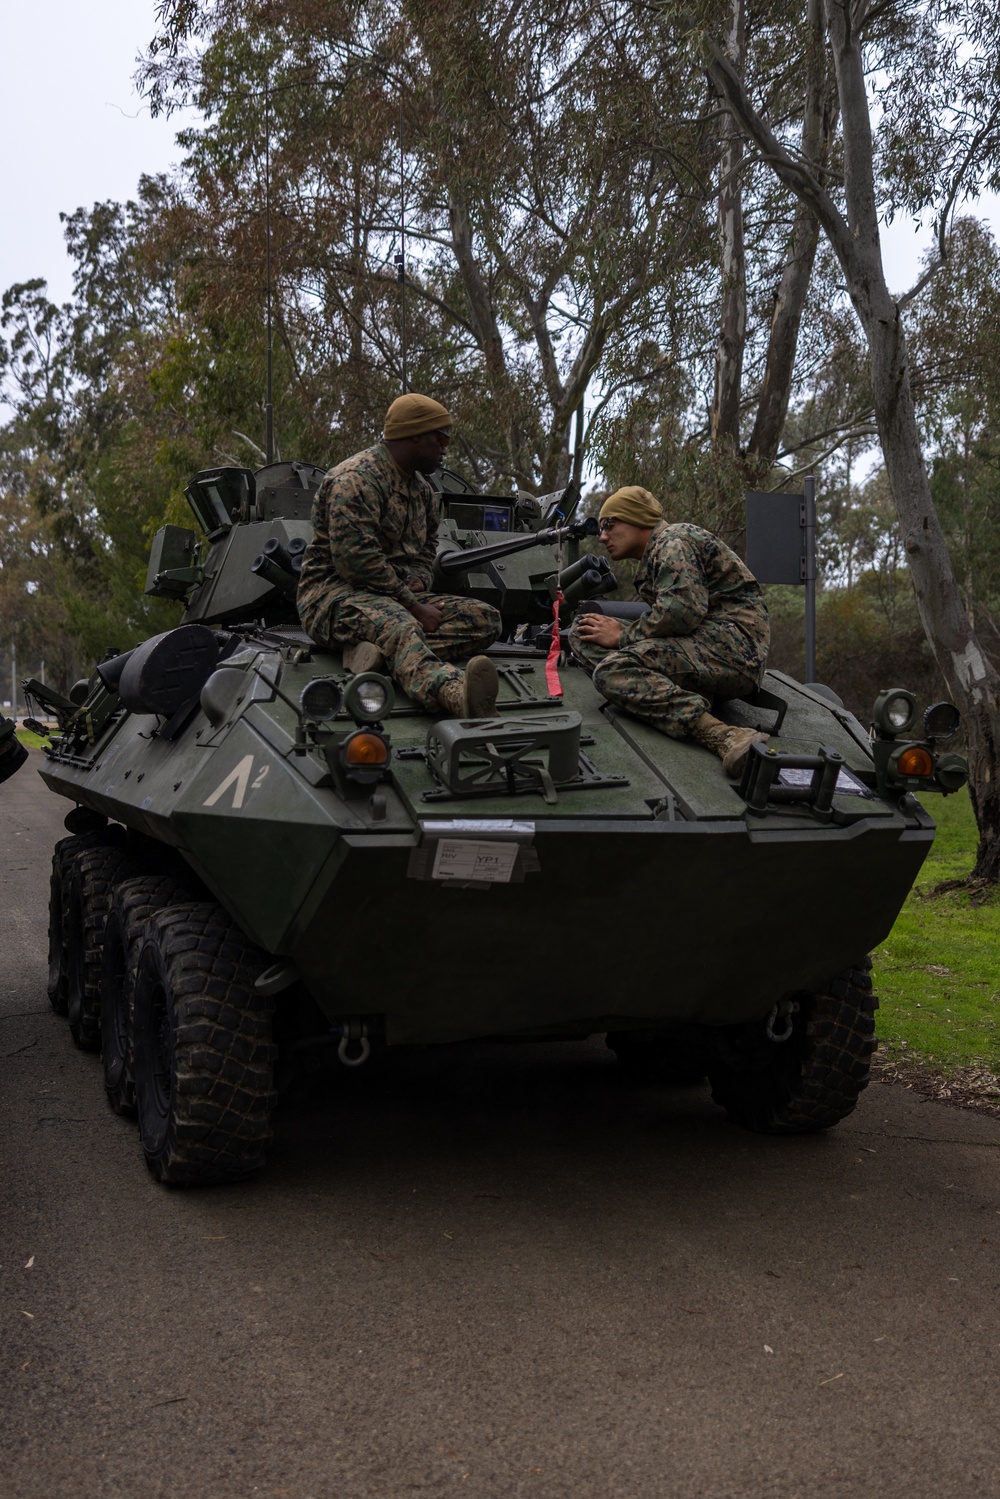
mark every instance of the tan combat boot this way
{"type": "Point", "coordinates": [361, 655]}
{"type": "Point", "coordinates": [474, 694]}
{"type": "Point", "coordinates": [729, 743]}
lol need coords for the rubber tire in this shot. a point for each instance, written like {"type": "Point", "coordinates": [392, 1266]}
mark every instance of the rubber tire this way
{"type": "Point", "coordinates": [64, 856]}
{"type": "Point", "coordinates": [811, 1081]}
{"type": "Point", "coordinates": [674, 1057]}
{"type": "Point", "coordinates": [204, 1052]}
{"type": "Point", "coordinates": [88, 886]}
{"type": "Point", "coordinates": [132, 903]}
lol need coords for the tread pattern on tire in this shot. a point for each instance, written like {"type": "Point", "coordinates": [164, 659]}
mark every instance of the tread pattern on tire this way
{"type": "Point", "coordinates": [91, 878]}
{"type": "Point", "coordinates": [64, 856]}
{"type": "Point", "coordinates": [223, 1054]}
{"type": "Point", "coordinates": [133, 902]}
{"type": "Point", "coordinates": [814, 1080]}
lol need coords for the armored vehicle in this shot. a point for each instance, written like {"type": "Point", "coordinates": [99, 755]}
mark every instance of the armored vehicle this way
{"type": "Point", "coordinates": [272, 861]}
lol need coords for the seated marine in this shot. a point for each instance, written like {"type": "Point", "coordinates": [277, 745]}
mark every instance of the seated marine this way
{"type": "Point", "coordinates": [705, 636]}
{"type": "Point", "coordinates": [367, 573]}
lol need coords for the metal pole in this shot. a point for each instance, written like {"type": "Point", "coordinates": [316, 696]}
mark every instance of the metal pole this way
{"type": "Point", "coordinates": [401, 257]}
{"type": "Point", "coordinates": [809, 522]}
{"type": "Point", "coordinates": [269, 401]}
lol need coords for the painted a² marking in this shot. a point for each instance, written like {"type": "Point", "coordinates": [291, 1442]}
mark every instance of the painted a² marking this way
{"type": "Point", "coordinates": [239, 779]}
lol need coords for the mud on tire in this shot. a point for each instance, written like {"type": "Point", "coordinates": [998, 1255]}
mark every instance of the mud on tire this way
{"type": "Point", "coordinates": [132, 903]}
{"type": "Point", "coordinates": [814, 1079]}
{"type": "Point", "coordinates": [204, 1054]}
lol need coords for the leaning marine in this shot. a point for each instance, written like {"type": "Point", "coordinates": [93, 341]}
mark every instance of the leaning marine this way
{"type": "Point", "coordinates": [703, 639]}
{"type": "Point", "coordinates": [367, 575]}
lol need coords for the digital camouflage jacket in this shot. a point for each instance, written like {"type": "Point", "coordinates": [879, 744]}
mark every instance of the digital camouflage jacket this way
{"type": "Point", "coordinates": [373, 529]}
{"type": "Point", "coordinates": [690, 578]}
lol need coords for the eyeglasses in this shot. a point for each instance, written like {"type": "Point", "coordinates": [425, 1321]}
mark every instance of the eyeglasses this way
{"type": "Point", "coordinates": [605, 525]}
{"type": "Point", "coordinates": [443, 435]}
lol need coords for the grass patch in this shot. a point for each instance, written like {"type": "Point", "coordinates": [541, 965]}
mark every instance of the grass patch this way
{"type": "Point", "coordinates": [30, 740]}
{"type": "Point", "coordinates": [938, 974]}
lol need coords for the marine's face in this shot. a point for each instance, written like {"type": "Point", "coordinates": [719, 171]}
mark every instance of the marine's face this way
{"type": "Point", "coordinates": [429, 449]}
{"type": "Point", "coordinates": [622, 540]}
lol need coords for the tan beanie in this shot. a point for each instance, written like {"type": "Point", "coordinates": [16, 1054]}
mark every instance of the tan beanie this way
{"type": "Point", "coordinates": [412, 415]}
{"type": "Point", "coordinates": [634, 505]}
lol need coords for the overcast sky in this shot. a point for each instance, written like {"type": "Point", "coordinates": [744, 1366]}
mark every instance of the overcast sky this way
{"type": "Point", "coordinates": [76, 132]}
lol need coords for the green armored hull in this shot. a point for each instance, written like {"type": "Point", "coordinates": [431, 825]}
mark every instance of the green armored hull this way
{"type": "Point", "coordinates": [241, 891]}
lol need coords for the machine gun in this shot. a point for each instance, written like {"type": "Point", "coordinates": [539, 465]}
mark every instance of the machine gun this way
{"type": "Point", "coordinates": [523, 590]}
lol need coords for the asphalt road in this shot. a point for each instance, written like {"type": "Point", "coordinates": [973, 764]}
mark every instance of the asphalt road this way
{"type": "Point", "coordinates": [490, 1272]}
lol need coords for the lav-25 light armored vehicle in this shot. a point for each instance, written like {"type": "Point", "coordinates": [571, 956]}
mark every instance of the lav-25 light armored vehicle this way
{"type": "Point", "coordinates": [271, 860]}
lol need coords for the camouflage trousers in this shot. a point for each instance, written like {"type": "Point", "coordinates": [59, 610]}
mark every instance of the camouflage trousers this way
{"type": "Point", "coordinates": [416, 660]}
{"type": "Point", "coordinates": [670, 681]}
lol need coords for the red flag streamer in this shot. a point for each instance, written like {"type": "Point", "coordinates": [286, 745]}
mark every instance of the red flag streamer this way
{"type": "Point", "coordinates": [552, 660]}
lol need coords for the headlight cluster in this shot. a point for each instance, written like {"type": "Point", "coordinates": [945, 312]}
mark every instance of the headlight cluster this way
{"type": "Point", "coordinates": [363, 753]}
{"type": "Point", "coordinates": [915, 765]}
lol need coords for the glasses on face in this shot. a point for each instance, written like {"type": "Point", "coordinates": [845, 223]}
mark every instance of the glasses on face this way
{"type": "Point", "coordinates": [604, 526]}
{"type": "Point", "coordinates": [443, 435]}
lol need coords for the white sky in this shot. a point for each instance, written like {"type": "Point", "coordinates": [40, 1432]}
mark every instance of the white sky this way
{"type": "Point", "coordinates": [76, 132]}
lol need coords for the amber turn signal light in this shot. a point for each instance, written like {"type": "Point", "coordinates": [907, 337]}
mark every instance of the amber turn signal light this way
{"type": "Point", "coordinates": [915, 761]}
{"type": "Point", "coordinates": [366, 751]}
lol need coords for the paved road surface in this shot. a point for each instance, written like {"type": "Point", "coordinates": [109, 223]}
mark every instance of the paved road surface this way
{"type": "Point", "coordinates": [495, 1272]}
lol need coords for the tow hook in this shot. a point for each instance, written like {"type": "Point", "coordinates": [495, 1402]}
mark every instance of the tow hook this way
{"type": "Point", "coordinates": [778, 1026]}
{"type": "Point", "coordinates": [353, 1033]}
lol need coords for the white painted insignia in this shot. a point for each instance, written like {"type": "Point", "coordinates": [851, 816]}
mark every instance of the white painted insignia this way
{"type": "Point", "coordinates": [238, 777]}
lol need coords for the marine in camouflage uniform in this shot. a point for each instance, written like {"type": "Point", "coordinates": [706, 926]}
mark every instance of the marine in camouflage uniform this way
{"type": "Point", "coordinates": [704, 638]}
{"type": "Point", "coordinates": [372, 559]}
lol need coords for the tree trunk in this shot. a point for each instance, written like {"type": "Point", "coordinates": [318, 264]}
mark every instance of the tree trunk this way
{"type": "Point", "coordinates": [818, 118]}
{"type": "Point", "coordinates": [971, 680]}
{"type": "Point", "coordinates": [732, 325]}
{"type": "Point", "coordinates": [490, 340]}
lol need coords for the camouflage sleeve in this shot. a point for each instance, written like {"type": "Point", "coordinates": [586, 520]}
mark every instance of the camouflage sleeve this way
{"type": "Point", "coordinates": [424, 565]}
{"type": "Point", "coordinates": [353, 516]}
{"type": "Point", "coordinates": [681, 595]}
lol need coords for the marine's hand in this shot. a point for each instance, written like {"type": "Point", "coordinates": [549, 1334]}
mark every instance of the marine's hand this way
{"type": "Point", "coordinates": [415, 584]}
{"type": "Point", "coordinates": [599, 629]}
{"type": "Point", "coordinates": [427, 616]}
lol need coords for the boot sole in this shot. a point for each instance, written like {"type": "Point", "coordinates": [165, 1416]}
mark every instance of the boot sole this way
{"type": "Point", "coordinates": [481, 687]}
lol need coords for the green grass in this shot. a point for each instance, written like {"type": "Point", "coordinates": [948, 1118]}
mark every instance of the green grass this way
{"type": "Point", "coordinates": [30, 740]}
{"type": "Point", "coordinates": [938, 974]}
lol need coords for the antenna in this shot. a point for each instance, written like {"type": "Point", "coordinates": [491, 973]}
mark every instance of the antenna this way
{"type": "Point", "coordinates": [269, 396]}
{"type": "Point", "coordinates": [401, 257]}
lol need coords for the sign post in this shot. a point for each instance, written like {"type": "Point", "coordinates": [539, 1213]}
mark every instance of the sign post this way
{"type": "Point", "coordinates": [781, 548]}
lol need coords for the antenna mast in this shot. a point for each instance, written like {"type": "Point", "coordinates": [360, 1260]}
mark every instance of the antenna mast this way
{"type": "Point", "coordinates": [269, 396]}
{"type": "Point", "coordinates": [401, 257]}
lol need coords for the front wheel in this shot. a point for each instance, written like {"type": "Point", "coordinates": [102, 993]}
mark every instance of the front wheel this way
{"type": "Point", "coordinates": [811, 1081]}
{"type": "Point", "coordinates": [204, 1054]}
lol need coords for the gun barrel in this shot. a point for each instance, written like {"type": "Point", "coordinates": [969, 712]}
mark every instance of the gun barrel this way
{"type": "Point", "coordinates": [469, 558]}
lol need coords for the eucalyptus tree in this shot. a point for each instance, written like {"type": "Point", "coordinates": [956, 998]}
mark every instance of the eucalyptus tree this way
{"type": "Point", "coordinates": [934, 73]}
{"type": "Point", "coordinates": [552, 180]}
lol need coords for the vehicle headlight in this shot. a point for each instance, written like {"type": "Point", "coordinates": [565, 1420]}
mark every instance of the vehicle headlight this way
{"type": "Point", "coordinates": [895, 711]}
{"type": "Point", "coordinates": [942, 721]}
{"type": "Point", "coordinates": [321, 699]}
{"type": "Point", "coordinates": [369, 697]}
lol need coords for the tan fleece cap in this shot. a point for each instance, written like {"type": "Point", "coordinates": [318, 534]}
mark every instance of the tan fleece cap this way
{"type": "Point", "coordinates": [634, 505]}
{"type": "Point", "coordinates": [411, 415]}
